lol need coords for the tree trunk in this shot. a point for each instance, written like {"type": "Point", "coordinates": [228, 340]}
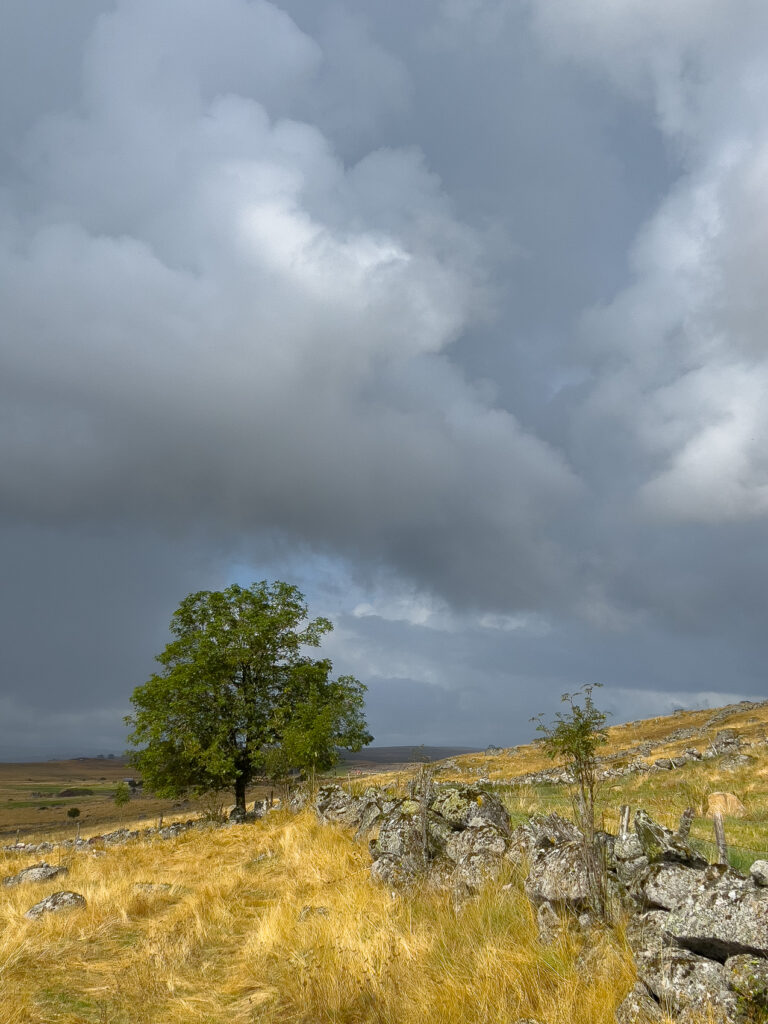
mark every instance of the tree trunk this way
{"type": "Point", "coordinates": [240, 792]}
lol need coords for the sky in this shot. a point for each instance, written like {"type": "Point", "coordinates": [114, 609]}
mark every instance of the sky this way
{"type": "Point", "coordinates": [450, 312]}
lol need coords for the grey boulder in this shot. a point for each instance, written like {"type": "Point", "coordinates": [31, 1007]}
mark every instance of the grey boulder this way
{"type": "Point", "coordinates": [728, 917]}
{"type": "Point", "coordinates": [41, 872]}
{"type": "Point", "coordinates": [56, 903]}
{"type": "Point", "coordinates": [680, 980]}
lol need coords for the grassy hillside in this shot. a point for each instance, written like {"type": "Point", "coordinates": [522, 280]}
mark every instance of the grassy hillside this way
{"type": "Point", "coordinates": [279, 921]}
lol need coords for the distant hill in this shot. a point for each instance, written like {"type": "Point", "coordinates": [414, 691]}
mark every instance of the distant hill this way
{"type": "Point", "coordinates": [401, 755]}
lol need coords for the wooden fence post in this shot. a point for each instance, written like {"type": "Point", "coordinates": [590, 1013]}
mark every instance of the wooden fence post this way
{"type": "Point", "coordinates": [624, 820]}
{"type": "Point", "coordinates": [684, 828]}
{"type": "Point", "coordinates": [722, 847]}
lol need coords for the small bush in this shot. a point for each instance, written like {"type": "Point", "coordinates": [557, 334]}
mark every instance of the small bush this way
{"type": "Point", "coordinates": [73, 812]}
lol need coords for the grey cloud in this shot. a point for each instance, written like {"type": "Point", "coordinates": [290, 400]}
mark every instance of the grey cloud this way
{"type": "Point", "coordinates": [452, 313]}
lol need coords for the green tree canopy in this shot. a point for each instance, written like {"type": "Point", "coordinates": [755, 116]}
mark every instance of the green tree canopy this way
{"type": "Point", "coordinates": [236, 689]}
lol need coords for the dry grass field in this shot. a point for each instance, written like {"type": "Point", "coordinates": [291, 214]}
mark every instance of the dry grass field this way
{"type": "Point", "coordinates": [279, 922]}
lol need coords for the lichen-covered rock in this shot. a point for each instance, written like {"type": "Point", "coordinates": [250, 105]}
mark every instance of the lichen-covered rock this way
{"type": "Point", "coordinates": [542, 832]}
{"type": "Point", "coordinates": [668, 886]}
{"type": "Point", "coordinates": [41, 872]}
{"type": "Point", "coordinates": [627, 848]}
{"type": "Point", "coordinates": [680, 980]}
{"type": "Point", "coordinates": [549, 923]}
{"type": "Point", "coordinates": [337, 805]}
{"type": "Point", "coordinates": [559, 875]}
{"type": "Point", "coordinates": [759, 872]}
{"type": "Point", "coordinates": [729, 916]}
{"type": "Point", "coordinates": [647, 931]}
{"type": "Point", "coordinates": [478, 853]}
{"type": "Point", "coordinates": [639, 1007]}
{"type": "Point", "coordinates": [400, 845]}
{"type": "Point", "coordinates": [462, 806]}
{"type": "Point", "coordinates": [661, 844]}
{"type": "Point", "coordinates": [747, 976]}
{"type": "Point", "coordinates": [56, 903]}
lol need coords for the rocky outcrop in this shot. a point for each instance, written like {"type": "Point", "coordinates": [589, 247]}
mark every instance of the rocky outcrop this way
{"type": "Point", "coordinates": [699, 932]}
{"type": "Point", "coordinates": [41, 872]}
{"type": "Point", "coordinates": [56, 903]}
{"type": "Point", "coordinates": [454, 836]}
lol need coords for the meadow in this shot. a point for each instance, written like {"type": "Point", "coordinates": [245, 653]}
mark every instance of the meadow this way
{"type": "Point", "coordinates": [279, 922]}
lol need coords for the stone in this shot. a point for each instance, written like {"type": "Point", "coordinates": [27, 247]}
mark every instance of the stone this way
{"type": "Point", "coordinates": [668, 886]}
{"type": "Point", "coordinates": [478, 853]}
{"type": "Point", "coordinates": [152, 888]}
{"type": "Point", "coordinates": [661, 844]}
{"type": "Point", "coordinates": [727, 803]}
{"type": "Point", "coordinates": [759, 872]}
{"type": "Point", "coordinates": [237, 815]}
{"type": "Point", "coordinates": [41, 872]}
{"type": "Point", "coordinates": [334, 804]}
{"type": "Point", "coordinates": [549, 923]}
{"type": "Point", "coordinates": [400, 845]}
{"type": "Point", "coordinates": [542, 832]}
{"type": "Point", "coordinates": [56, 903]}
{"type": "Point", "coordinates": [559, 876]}
{"type": "Point", "coordinates": [639, 1007]}
{"type": "Point", "coordinates": [627, 847]}
{"type": "Point", "coordinates": [729, 916]}
{"type": "Point", "coordinates": [462, 806]}
{"type": "Point", "coordinates": [747, 976]}
{"type": "Point", "coordinates": [647, 931]}
{"type": "Point", "coordinates": [681, 980]}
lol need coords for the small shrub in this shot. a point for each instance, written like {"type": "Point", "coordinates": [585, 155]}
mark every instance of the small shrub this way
{"type": "Point", "coordinates": [73, 812]}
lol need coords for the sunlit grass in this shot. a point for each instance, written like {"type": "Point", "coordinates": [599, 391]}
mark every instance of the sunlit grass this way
{"type": "Point", "coordinates": [280, 922]}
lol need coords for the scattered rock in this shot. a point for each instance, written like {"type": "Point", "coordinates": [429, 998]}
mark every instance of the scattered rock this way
{"type": "Point", "coordinates": [759, 872]}
{"type": "Point", "coordinates": [41, 872]}
{"type": "Point", "coordinates": [152, 888]}
{"type": "Point", "coordinates": [56, 903]}
{"type": "Point", "coordinates": [727, 803]}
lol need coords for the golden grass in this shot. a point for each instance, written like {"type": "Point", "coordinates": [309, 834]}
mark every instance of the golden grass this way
{"type": "Point", "coordinates": [279, 922]}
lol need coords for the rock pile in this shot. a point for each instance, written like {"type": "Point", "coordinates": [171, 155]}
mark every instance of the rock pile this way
{"type": "Point", "coordinates": [455, 836]}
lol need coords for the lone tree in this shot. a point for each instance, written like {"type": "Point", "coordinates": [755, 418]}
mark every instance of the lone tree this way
{"type": "Point", "coordinates": [574, 737]}
{"type": "Point", "coordinates": [238, 691]}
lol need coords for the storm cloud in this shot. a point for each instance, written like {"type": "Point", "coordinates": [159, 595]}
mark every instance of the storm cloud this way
{"type": "Point", "coordinates": [452, 314]}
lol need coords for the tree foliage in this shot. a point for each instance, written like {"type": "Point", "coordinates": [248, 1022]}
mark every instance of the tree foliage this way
{"type": "Point", "coordinates": [122, 795]}
{"type": "Point", "coordinates": [238, 696]}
